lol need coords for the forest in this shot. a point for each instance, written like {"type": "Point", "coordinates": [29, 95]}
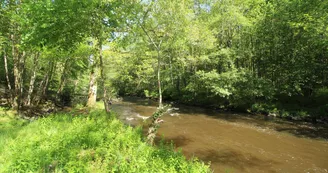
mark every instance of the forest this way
{"type": "Point", "coordinates": [260, 57]}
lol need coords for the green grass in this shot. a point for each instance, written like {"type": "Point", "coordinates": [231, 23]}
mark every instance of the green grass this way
{"type": "Point", "coordinates": [86, 143]}
{"type": "Point", "coordinates": [9, 127]}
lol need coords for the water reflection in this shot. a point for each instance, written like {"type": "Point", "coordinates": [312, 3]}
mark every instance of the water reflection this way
{"type": "Point", "coordinates": [237, 160]}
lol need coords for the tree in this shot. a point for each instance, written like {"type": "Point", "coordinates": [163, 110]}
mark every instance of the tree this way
{"type": "Point", "coordinates": [29, 28]}
{"type": "Point", "coordinates": [159, 23]}
{"type": "Point", "coordinates": [103, 22]}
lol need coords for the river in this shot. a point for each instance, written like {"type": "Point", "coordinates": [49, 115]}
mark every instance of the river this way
{"type": "Point", "coordinates": [234, 142]}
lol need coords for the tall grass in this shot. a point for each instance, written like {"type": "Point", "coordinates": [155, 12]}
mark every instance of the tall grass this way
{"type": "Point", "coordinates": [86, 143]}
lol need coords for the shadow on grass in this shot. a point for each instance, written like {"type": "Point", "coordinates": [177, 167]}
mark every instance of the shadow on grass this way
{"type": "Point", "coordinates": [9, 128]}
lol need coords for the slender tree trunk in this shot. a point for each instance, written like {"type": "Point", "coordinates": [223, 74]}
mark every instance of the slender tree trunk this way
{"type": "Point", "coordinates": [32, 81]}
{"type": "Point", "coordinates": [44, 83]}
{"type": "Point", "coordinates": [178, 84]}
{"type": "Point", "coordinates": [63, 79]}
{"type": "Point", "coordinates": [61, 87]}
{"type": "Point", "coordinates": [39, 93]}
{"type": "Point", "coordinates": [7, 78]}
{"type": "Point", "coordinates": [92, 95]}
{"type": "Point", "coordinates": [16, 103]}
{"type": "Point", "coordinates": [158, 48]}
{"type": "Point", "coordinates": [50, 76]}
{"type": "Point", "coordinates": [171, 71]}
{"type": "Point", "coordinates": [21, 72]}
{"type": "Point", "coordinates": [42, 87]}
{"type": "Point", "coordinates": [159, 78]}
{"type": "Point", "coordinates": [103, 78]}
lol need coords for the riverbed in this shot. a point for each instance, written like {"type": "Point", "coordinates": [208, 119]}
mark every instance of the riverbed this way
{"type": "Point", "coordinates": [236, 142]}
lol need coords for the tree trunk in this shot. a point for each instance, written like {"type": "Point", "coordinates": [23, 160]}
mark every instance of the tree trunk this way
{"type": "Point", "coordinates": [16, 99]}
{"type": "Point", "coordinates": [32, 81]}
{"type": "Point", "coordinates": [62, 79]}
{"type": "Point", "coordinates": [44, 83]}
{"type": "Point", "coordinates": [159, 79]}
{"type": "Point", "coordinates": [42, 88]}
{"type": "Point", "coordinates": [171, 70]}
{"type": "Point", "coordinates": [178, 84]}
{"type": "Point", "coordinates": [61, 87]}
{"type": "Point", "coordinates": [92, 95]}
{"type": "Point", "coordinates": [21, 72]}
{"type": "Point", "coordinates": [103, 78]}
{"type": "Point", "coordinates": [158, 48]}
{"type": "Point", "coordinates": [49, 77]}
{"type": "Point", "coordinates": [10, 100]}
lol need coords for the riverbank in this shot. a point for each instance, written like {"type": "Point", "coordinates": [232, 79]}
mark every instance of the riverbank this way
{"type": "Point", "coordinates": [286, 110]}
{"type": "Point", "coordinates": [80, 142]}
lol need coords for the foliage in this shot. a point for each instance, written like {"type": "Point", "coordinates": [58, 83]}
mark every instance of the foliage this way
{"type": "Point", "coordinates": [220, 53]}
{"type": "Point", "coordinates": [87, 143]}
{"type": "Point", "coordinates": [232, 54]}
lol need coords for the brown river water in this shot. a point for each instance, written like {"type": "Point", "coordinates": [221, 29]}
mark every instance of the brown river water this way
{"type": "Point", "coordinates": [234, 142]}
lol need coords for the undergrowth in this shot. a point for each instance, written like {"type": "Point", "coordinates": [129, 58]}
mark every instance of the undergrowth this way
{"type": "Point", "coordinates": [86, 143]}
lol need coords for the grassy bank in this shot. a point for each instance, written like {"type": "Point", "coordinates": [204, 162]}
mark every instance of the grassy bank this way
{"type": "Point", "coordinates": [84, 143]}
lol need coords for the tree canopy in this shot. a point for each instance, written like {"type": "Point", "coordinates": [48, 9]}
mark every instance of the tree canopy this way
{"type": "Point", "coordinates": [251, 55]}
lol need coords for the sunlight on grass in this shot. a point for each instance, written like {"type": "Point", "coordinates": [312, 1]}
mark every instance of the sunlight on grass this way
{"type": "Point", "coordinates": [99, 105]}
{"type": "Point", "coordinates": [9, 126]}
{"type": "Point", "coordinates": [96, 142]}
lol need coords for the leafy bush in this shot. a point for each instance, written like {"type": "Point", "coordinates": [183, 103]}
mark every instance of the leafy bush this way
{"type": "Point", "coordinates": [93, 143]}
{"type": "Point", "coordinates": [248, 89]}
{"type": "Point", "coordinates": [322, 111]}
{"type": "Point", "coordinates": [151, 94]}
{"type": "Point", "coordinates": [322, 92]}
{"type": "Point", "coordinates": [263, 108]}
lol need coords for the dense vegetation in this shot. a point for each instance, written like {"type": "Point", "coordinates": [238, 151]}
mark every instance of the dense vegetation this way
{"type": "Point", "coordinates": [255, 55]}
{"type": "Point", "coordinates": [96, 142]}
{"type": "Point", "coordinates": [263, 56]}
